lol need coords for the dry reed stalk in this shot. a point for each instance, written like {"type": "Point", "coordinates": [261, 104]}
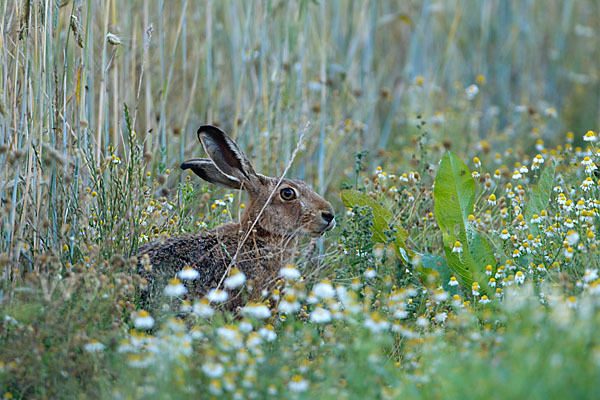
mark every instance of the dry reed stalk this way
{"type": "Point", "coordinates": [148, 145]}
{"type": "Point", "coordinates": [147, 38]}
{"type": "Point", "coordinates": [169, 77]}
{"type": "Point", "coordinates": [102, 94]}
{"type": "Point", "coordinates": [242, 72]}
{"type": "Point", "coordinates": [209, 61]}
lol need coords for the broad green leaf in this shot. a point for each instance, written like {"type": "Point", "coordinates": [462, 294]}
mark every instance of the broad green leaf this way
{"type": "Point", "coordinates": [482, 255]}
{"type": "Point", "coordinates": [454, 195]}
{"type": "Point", "coordinates": [481, 251]}
{"type": "Point", "coordinates": [381, 216]}
{"type": "Point", "coordinates": [401, 238]}
{"type": "Point", "coordinates": [381, 220]}
{"type": "Point", "coordinates": [540, 196]}
{"type": "Point", "coordinates": [454, 192]}
{"type": "Point", "coordinates": [460, 264]}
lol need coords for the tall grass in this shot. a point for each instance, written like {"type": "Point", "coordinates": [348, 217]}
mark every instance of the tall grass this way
{"type": "Point", "coordinates": [261, 68]}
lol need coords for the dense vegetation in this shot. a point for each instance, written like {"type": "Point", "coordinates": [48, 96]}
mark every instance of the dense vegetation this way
{"type": "Point", "coordinates": [457, 141]}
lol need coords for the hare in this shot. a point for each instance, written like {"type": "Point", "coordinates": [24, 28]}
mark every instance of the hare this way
{"type": "Point", "coordinates": [278, 212]}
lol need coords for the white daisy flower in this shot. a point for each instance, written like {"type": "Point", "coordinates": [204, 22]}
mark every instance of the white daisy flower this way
{"type": "Point", "coordinates": [256, 310]}
{"type": "Point", "coordinates": [93, 347]}
{"type": "Point", "coordinates": [175, 288]}
{"type": "Point", "coordinates": [297, 384]}
{"type": "Point", "coordinates": [217, 296]}
{"type": "Point", "coordinates": [203, 309]}
{"type": "Point", "coordinates": [320, 315]}
{"type": "Point", "coordinates": [289, 272]}
{"type": "Point", "coordinates": [188, 273]}
{"type": "Point", "coordinates": [236, 279]}
{"type": "Point", "coordinates": [324, 290]}
{"type": "Point", "coordinates": [213, 370]}
{"type": "Point", "coordinates": [143, 320]}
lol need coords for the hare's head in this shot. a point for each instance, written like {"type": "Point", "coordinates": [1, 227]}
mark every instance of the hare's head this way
{"type": "Point", "coordinates": [293, 208]}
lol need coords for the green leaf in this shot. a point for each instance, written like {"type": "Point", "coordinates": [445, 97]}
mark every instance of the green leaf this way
{"type": "Point", "coordinates": [381, 221]}
{"type": "Point", "coordinates": [454, 195]}
{"type": "Point", "coordinates": [454, 192]}
{"type": "Point", "coordinates": [381, 216]}
{"type": "Point", "coordinates": [461, 264]}
{"type": "Point", "coordinates": [481, 251]}
{"type": "Point", "coordinates": [482, 255]}
{"type": "Point", "coordinates": [540, 196]}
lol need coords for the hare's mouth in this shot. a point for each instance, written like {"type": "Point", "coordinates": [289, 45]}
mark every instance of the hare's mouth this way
{"type": "Point", "coordinates": [329, 226]}
{"type": "Point", "coordinates": [322, 228]}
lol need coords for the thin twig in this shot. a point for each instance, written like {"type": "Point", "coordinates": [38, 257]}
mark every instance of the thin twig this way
{"type": "Point", "coordinates": [289, 164]}
{"type": "Point", "coordinates": [137, 96]}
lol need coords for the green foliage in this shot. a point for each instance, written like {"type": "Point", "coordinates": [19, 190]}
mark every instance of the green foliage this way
{"type": "Point", "coordinates": [543, 354]}
{"type": "Point", "coordinates": [467, 252]}
{"type": "Point", "coordinates": [383, 232]}
{"type": "Point", "coordinates": [540, 195]}
{"type": "Point", "coordinates": [44, 335]}
{"type": "Point", "coordinates": [356, 236]}
{"type": "Point", "coordinates": [436, 268]}
{"type": "Point", "coordinates": [454, 194]}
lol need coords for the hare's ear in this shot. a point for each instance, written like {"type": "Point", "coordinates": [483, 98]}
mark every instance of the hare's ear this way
{"type": "Point", "coordinates": [205, 169]}
{"type": "Point", "coordinates": [225, 154]}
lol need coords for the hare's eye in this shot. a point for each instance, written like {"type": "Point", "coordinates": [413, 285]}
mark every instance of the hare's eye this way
{"type": "Point", "coordinates": [287, 194]}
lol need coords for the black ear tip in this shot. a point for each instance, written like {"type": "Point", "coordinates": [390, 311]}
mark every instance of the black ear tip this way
{"type": "Point", "coordinates": [185, 165]}
{"type": "Point", "coordinates": [210, 129]}
{"type": "Point", "coordinates": [205, 128]}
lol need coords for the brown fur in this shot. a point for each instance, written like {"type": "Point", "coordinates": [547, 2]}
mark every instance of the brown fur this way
{"type": "Point", "coordinates": [266, 249]}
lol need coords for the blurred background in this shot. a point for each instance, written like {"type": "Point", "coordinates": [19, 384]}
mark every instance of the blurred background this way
{"type": "Point", "coordinates": [360, 72]}
{"type": "Point", "coordinates": [384, 76]}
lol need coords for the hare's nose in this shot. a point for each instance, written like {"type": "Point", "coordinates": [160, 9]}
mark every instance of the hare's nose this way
{"type": "Point", "coordinates": [328, 217]}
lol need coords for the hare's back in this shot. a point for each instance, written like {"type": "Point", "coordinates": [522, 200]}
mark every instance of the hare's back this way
{"type": "Point", "coordinates": [210, 253]}
{"type": "Point", "coordinates": [169, 257]}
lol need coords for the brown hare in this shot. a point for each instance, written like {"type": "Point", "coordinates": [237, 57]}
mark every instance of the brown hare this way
{"type": "Point", "coordinates": [277, 213]}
